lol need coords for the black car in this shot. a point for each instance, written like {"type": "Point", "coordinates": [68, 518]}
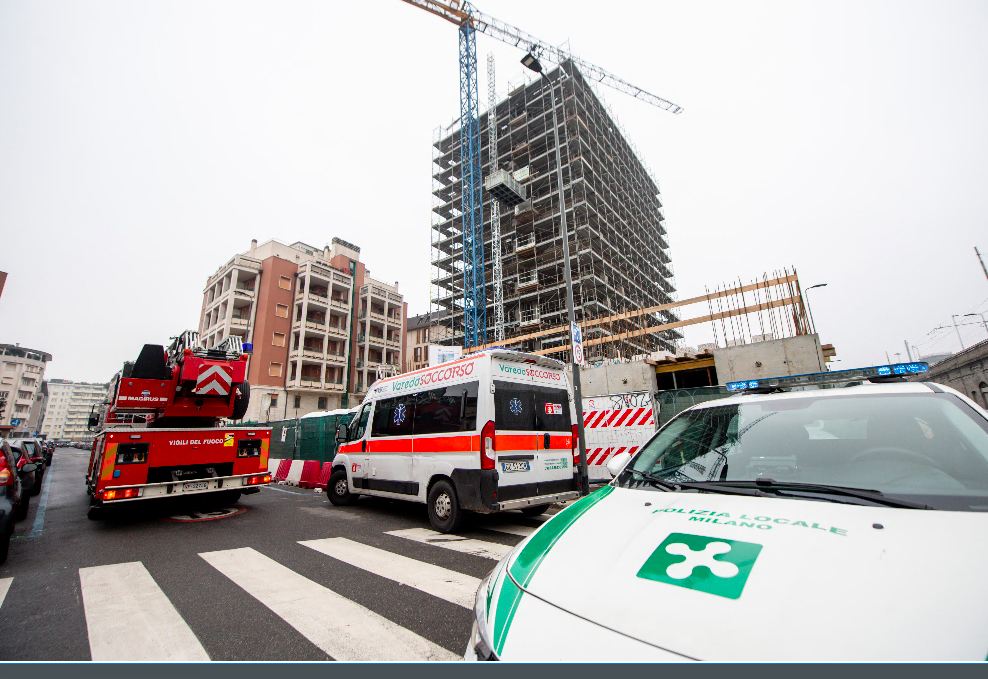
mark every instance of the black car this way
{"type": "Point", "coordinates": [26, 454]}
{"type": "Point", "coordinates": [48, 449]}
{"type": "Point", "coordinates": [13, 494]}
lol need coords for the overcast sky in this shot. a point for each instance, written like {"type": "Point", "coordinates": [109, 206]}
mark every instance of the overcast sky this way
{"type": "Point", "coordinates": [143, 143]}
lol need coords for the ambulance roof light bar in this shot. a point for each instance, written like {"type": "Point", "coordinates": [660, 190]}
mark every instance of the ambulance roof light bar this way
{"type": "Point", "coordinates": [878, 373]}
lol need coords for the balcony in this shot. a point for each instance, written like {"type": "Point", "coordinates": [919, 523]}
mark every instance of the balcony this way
{"type": "Point", "coordinates": [393, 344]}
{"type": "Point", "coordinates": [527, 280]}
{"type": "Point", "coordinates": [338, 331]}
{"type": "Point", "coordinates": [336, 357]}
{"type": "Point", "coordinates": [371, 339]}
{"type": "Point", "coordinates": [394, 320]}
{"type": "Point", "coordinates": [314, 325]}
{"type": "Point", "coordinates": [529, 318]}
{"type": "Point", "coordinates": [525, 243]}
{"type": "Point", "coordinates": [337, 303]}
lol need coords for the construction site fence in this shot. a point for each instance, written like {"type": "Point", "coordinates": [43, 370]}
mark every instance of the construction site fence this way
{"type": "Point", "coordinates": [671, 402]}
{"type": "Point", "coordinates": [310, 438]}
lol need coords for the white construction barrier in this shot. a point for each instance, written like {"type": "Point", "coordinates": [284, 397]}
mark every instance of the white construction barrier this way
{"type": "Point", "coordinates": [295, 473]}
{"type": "Point", "coordinates": [615, 423]}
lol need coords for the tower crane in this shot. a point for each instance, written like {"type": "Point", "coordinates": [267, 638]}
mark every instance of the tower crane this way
{"type": "Point", "coordinates": [468, 20]}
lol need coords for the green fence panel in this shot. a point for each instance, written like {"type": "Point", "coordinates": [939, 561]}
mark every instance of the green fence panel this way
{"type": "Point", "coordinates": [282, 448]}
{"type": "Point", "coordinates": [316, 438]}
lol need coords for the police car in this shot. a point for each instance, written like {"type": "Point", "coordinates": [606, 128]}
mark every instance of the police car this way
{"type": "Point", "coordinates": [827, 524]}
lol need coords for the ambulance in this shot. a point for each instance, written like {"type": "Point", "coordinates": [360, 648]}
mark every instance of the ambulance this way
{"type": "Point", "coordinates": [490, 432]}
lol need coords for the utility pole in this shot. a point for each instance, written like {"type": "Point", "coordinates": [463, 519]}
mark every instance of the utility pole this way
{"type": "Point", "coordinates": [982, 262]}
{"type": "Point", "coordinates": [957, 330]}
{"type": "Point", "coordinates": [908, 353]}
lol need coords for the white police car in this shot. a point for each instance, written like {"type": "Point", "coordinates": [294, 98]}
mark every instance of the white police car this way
{"type": "Point", "coordinates": [833, 524]}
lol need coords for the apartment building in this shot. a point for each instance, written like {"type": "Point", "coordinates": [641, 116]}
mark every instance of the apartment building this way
{"type": "Point", "coordinates": [69, 406]}
{"type": "Point", "coordinates": [322, 329]}
{"type": "Point", "coordinates": [22, 373]}
{"type": "Point", "coordinates": [423, 330]}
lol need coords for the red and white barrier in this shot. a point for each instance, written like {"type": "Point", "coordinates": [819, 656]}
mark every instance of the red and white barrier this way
{"type": "Point", "coordinates": [310, 474]}
{"type": "Point", "coordinates": [615, 423]}
{"type": "Point", "coordinates": [283, 467]}
{"type": "Point", "coordinates": [294, 472]}
{"type": "Point", "coordinates": [327, 471]}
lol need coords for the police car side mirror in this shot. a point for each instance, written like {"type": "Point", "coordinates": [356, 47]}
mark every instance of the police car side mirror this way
{"type": "Point", "coordinates": [616, 463]}
{"type": "Point", "coordinates": [341, 433]}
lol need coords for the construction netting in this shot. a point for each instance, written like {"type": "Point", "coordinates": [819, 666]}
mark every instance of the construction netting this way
{"type": "Point", "coordinates": [307, 438]}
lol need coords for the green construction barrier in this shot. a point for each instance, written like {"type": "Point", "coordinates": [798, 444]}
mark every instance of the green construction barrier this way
{"type": "Point", "coordinates": [316, 437]}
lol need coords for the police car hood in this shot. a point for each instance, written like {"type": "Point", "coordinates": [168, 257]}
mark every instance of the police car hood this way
{"type": "Point", "coordinates": [726, 577]}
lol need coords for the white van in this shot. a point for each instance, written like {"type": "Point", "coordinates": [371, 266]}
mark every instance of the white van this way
{"type": "Point", "coordinates": [489, 432]}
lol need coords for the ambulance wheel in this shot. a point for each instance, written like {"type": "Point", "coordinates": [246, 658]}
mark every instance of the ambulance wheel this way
{"type": "Point", "coordinates": [338, 491]}
{"type": "Point", "coordinates": [537, 510]}
{"type": "Point", "coordinates": [445, 514]}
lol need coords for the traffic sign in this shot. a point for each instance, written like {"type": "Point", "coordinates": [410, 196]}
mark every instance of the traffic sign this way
{"type": "Point", "coordinates": [16, 421]}
{"type": "Point", "coordinates": [577, 343]}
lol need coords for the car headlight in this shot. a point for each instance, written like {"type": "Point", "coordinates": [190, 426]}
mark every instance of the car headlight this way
{"type": "Point", "coordinates": [480, 647]}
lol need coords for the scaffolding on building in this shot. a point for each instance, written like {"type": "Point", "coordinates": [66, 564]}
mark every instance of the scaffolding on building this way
{"type": "Point", "coordinates": [618, 240]}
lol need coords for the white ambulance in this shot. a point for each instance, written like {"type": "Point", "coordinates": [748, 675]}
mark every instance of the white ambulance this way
{"type": "Point", "coordinates": [489, 432]}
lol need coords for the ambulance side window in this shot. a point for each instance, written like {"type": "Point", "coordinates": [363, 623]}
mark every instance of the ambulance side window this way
{"type": "Point", "coordinates": [447, 410]}
{"type": "Point", "coordinates": [393, 416]}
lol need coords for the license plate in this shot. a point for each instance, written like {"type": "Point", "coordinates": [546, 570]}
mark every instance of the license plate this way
{"type": "Point", "coordinates": [198, 485]}
{"type": "Point", "coordinates": [515, 466]}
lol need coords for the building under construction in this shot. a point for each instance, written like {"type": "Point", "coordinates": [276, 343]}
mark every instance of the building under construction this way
{"type": "Point", "coordinates": [618, 246]}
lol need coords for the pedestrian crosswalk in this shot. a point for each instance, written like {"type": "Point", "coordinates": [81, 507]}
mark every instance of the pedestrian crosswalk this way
{"type": "Point", "coordinates": [129, 617]}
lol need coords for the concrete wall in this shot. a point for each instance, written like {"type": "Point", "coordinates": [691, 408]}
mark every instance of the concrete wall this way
{"type": "Point", "coordinates": [774, 358]}
{"type": "Point", "coordinates": [618, 378]}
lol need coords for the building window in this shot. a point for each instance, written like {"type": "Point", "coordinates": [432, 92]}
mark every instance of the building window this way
{"type": "Point", "coordinates": [274, 400]}
{"type": "Point", "coordinates": [984, 393]}
{"type": "Point", "coordinates": [281, 310]}
{"type": "Point", "coordinates": [274, 370]}
{"type": "Point", "coordinates": [322, 403]}
{"type": "Point", "coordinates": [285, 283]}
{"type": "Point", "coordinates": [279, 339]}
{"type": "Point", "coordinates": [298, 402]}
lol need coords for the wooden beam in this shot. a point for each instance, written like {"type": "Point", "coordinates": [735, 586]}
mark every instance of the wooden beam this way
{"type": "Point", "coordinates": [678, 324]}
{"type": "Point", "coordinates": [685, 365]}
{"type": "Point", "coordinates": [640, 312]}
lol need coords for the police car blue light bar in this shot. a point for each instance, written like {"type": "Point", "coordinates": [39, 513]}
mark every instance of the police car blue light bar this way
{"type": "Point", "coordinates": [835, 377]}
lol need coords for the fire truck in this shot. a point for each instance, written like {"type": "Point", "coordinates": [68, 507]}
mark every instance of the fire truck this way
{"type": "Point", "coordinates": [161, 431]}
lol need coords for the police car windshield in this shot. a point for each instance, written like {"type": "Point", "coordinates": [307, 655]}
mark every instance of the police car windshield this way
{"type": "Point", "coordinates": [932, 448]}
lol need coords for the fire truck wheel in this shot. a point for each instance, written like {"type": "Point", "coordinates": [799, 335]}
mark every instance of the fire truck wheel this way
{"type": "Point", "coordinates": [537, 510]}
{"type": "Point", "coordinates": [241, 401]}
{"type": "Point", "coordinates": [445, 514]}
{"type": "Point", "coordinates": [337, 490]}
{"type": "Point", "coordinates": [229, 497]}
{"type": "Point", "coordinates": [95, 512]}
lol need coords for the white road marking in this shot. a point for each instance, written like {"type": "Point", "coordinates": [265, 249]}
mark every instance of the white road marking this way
{"type": "Point", "coordinates": [440, 582]}
{"type": "Point", "coordinates": [523, 531]}
{"type": "Point", "coordinates": [343, 629]}
{"type": "Point", "coordinates": [130, 618]}
{"type": "Point", "coordinates": [489, 550]}
{"type": "Point", "coordinates": [4, 586]}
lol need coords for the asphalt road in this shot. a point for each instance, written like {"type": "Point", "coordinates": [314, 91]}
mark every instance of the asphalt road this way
{"type": "Point", "coordinates": [140, 585]}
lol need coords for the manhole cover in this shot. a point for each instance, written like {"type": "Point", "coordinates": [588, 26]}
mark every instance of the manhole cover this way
{"type": "Point", "coordinates": [208, 516]}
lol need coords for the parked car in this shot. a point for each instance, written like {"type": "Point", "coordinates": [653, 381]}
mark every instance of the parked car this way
{"type": "Point", "coordinates": [13, 496]}
{"type": "Point", "coordinates": [47, 449]}
{"type": "Point", "coordinates": [29, 453]}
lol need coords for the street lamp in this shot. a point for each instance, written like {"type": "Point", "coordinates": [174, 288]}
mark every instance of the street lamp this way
{"type": "Point", "coordinates": [807, 298]}
{"type": "Point", "coordinates": [954, 318]}
{"type": "Point", "coordinates": [982, 319]}
{"type": "Point", "coordinates": [530, 62]}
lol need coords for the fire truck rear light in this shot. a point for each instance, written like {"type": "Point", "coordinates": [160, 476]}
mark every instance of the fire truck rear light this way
{"type": "Point", "coordinates": [109, 495]}
{"type": "Point", "coordinates": [255, 480]}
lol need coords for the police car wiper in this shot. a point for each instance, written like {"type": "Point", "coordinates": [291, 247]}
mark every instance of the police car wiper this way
{"type": "Point", "coordinates": [868, 494]}
{"type": "Point", "coordinates": [703, 487]}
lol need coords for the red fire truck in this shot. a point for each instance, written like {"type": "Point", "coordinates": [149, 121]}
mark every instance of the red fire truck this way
{"type": "Point", "coordinates": [161, 433]}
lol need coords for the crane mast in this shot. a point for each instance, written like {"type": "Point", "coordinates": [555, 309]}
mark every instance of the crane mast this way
{"type": "Point", "coordinates": [495, 204]}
